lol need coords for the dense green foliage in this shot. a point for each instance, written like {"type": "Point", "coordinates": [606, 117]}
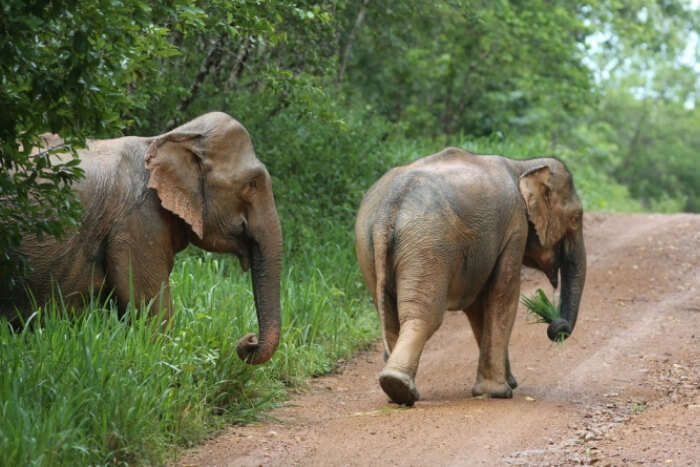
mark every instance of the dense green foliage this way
{"type": "Point", "coordinates": [605, 77]}
{"type": "Point", "coordinates": [334, 93]}
{"type": "Point", "coordinates": [65, 67]}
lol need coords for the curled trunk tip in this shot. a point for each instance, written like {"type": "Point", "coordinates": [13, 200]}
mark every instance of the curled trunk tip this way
{"type": "Point", "coordinates": [251, 351]}
{"type": "Point", "coordinates": [558, 330]}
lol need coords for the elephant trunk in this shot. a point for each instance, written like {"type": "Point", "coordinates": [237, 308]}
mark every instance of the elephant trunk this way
{"type": "Point", "coordinates": [573, 276]}
{"type": "Point", "coordinates": [266, 264]}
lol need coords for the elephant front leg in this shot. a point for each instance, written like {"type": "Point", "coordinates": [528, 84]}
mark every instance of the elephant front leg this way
{"type": "Point", "coordinates": [494, 378]}
{"type": "Point", "coordinates": [140, 277]}
{"type": "Point", "coordinates": [510, 379]}
{"type": "Point", "coordinates": [475, 313]}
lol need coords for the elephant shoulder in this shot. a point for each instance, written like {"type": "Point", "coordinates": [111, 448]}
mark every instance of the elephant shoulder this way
{"type": "Point", "coordinates": [113, 158]}
{"type": "Point", "coordinates": [114, 174]}
{"type": "Point", "coordinates": [122, 151]}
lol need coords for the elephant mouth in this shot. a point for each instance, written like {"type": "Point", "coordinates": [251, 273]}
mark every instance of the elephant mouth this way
{"type": "Point", "coordinates": [243, 246]}
{"type": "Point", "coordinates": [551, 269]}
{"type": "Point", "coordinates": [245, 262]}
{"type": "Point", "coordinates": [553, 276]}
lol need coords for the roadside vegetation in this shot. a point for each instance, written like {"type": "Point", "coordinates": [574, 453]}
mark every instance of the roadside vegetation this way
{"type": "Point", "coordinates": [333, 95]}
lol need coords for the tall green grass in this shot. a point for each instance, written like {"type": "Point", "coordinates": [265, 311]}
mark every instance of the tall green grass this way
{"type": "Point", "coordinates": [99, 389]}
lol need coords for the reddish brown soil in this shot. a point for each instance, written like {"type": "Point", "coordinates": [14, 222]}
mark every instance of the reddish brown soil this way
{"type": "Point", "coordinates": [623, 390]}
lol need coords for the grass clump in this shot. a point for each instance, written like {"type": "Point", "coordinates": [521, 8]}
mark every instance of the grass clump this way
{"type": "Point", "coordinates": [540, 306]}
{"type": "Point", "coordinates": [544, 310]}
{"type": "Point", "coordinates": [99, 388]}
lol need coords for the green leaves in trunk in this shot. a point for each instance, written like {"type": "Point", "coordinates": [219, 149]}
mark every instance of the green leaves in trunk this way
{"type": "Point", "coordinates": [540, 305]}
{"type": "Point", "coordinates": [544, 310]}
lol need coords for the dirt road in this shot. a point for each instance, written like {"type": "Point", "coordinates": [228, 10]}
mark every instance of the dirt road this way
{"type": "Point", "coordinates": [623, 390]}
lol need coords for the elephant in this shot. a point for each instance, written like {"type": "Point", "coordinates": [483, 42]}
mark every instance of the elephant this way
{"type": "Point", "coordinates": [451, 231]}
{"type": "Point", "coordinates": [145, 199]}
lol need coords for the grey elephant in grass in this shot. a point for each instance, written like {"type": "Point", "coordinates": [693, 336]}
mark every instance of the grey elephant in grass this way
{"type": "Point", "coordinates": [146, 198]}
{"type": "Point", "coordinates": [451, 232]}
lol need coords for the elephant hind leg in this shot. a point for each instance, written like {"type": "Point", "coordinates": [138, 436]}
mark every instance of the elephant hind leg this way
{"type": "Point", "coordinates": [418, 323]}
{"type": "Point", "coordinates": [475, 313]}
{"type": "Point", "coordinates": [420, 278]}
{"type": "Point", "coordinates": [400, 387]}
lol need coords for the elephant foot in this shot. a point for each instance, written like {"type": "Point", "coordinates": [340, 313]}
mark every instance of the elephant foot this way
{"type": "Point", "coordinates": [399, 387]}
{"type": "Point", "coordinates": [510, 379]}
{"type": "Point", "coordinates": [486, 388]}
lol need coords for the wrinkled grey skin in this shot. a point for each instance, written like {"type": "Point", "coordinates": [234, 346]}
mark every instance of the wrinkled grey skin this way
{"type": "Point", "coordinates": [146, 198]}
{"type": "Point", "coordinates": [451, 232]}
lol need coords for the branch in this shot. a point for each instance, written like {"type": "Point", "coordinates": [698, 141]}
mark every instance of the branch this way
{"type": "Point", "coordinates": [239, 62]}
{"type": "Point", "coordinates": [351, 38]}
{"type": "Point", "coordinates": [212, 61]}
{"type": "Point", "coordinates": [452, 111]}
{"type": "Point", "coordinates": [634, 141]}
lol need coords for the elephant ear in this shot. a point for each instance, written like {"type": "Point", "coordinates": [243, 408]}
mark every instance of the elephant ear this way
{"type": "Point", "coordinates": [175, 162]}
{"type": "Point", "coordinates": [542, 204]}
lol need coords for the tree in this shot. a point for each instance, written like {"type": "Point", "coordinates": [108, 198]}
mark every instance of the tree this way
{"type": "Point", "coordinates": [74, 68]}
{"type": "Point", "coordinates": [648, 111]}
{"type": "Point", "coordinates": [473, 66]}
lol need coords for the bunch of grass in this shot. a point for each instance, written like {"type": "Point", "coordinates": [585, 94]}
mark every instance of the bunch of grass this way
{"type": "Point", "coordinates": [544, 310]}
{"type": "Point", "coordinates": [541, 307]}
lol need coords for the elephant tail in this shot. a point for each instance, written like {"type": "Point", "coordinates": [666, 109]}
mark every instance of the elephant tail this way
{"type": "Point", "coordinates": [380, 241]}
{"type": "Point", "coordinates": [386, 306]}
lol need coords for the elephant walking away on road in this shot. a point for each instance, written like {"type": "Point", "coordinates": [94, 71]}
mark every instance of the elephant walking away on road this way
{"type": "Point", "coordinates": [146, 198]}
{"type": "Point", "coordinates": [451, 232]}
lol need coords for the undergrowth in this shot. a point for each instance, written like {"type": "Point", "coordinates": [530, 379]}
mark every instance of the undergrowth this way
{"type": "Point", "coordinates": [102, 389]}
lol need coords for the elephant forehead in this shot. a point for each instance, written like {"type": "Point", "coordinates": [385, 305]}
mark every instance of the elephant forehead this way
{"type": "Point", "coordinates": [226, 173]}
{"type": "Point", "coordinates": [228, 155]}
{"type": "Point", "coordinates": [562, 179]}
{"type": "Point", "coordinates": [212, 121]}
{"type": "Point", "coordinates": [230, 145]}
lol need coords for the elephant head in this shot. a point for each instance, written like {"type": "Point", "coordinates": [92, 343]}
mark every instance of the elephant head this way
{"type": "Point", "coordinates": [555, 239]}
{"type": "Point", "coordinates": [206, 172]}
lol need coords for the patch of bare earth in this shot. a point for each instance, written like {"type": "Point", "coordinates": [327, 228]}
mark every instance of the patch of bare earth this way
{"type": "Point", "coordinates": [623, 390]}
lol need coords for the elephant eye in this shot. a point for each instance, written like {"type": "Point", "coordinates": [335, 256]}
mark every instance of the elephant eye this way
{"type": "Point", "coordinates": [250, 189]}
{"type": "Point", "coordinates": [254, 182]}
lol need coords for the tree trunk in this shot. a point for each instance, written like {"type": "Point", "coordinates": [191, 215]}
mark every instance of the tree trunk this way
{"type": "Point", "coordinates": [211, 62]}
{"type": "Point", "coordinates": [351, 38]}
{"type": "Point", "coordinates": [239, 63]}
